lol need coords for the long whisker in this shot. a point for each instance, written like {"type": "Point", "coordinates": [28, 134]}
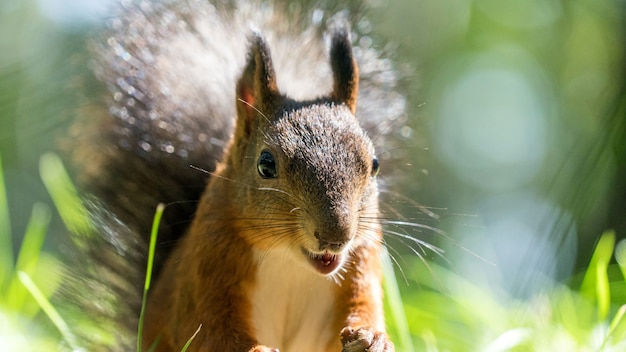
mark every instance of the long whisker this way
{"type": "Point", "coordinates": [419, 206]}
{"type": "Point", "coordinates": [422, 244]}
{"type": "Point", "coordinates": [254, 108]}
{"type": "Point", "coordinates": [439, 232]}
{"type": "Point", "coordinates": [426, 264]}
{"type": "Point", "coordinates": [393, 258]}
{"type": "Point", "coordinates": [213, 174]}
{"type": "Point", "coordinates": [274, 190]}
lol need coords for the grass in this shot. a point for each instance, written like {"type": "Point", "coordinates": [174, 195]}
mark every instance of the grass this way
{"type": "Point", "coordinates": [21, 328]}
{"type": "Point", "coordinates": [444, 313]}
{"type": "Point", "coordinates": [466, 317]}
{"type": "Point", "coordinates": [49, 309]}
{"type": "Point", "coordinates": [153, 237]}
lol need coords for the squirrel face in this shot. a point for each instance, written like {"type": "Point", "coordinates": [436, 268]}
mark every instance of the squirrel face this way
{"type": "Point", "coordinates": [312, 183]}
{"type": "Point", "coordinates": [309, 166]}
{"type": "Point", "coordinates": [326, 162]}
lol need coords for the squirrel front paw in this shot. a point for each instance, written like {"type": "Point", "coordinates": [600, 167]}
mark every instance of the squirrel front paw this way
{"type": "Point", "coordinates": [365, 339]}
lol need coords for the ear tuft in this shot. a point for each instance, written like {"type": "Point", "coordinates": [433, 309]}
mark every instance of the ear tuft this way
{"type": "Point", "coordinates": [256, 89]}
{"type": "Point", "coordinates": [345, 70]}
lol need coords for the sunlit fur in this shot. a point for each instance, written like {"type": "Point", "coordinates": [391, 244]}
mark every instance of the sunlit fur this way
{"type": "Point", "coordinates": [281, 261]}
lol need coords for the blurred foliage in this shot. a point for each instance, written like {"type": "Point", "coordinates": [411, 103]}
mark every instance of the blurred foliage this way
{"type": "Point", "coordinates": [465, 317]}
{"type": "Point", "coordinates": [520, 120]}
{"type": "Point", "coordinates": [17, 308]}
{"type": "Point", "coordinates": [518, 159]}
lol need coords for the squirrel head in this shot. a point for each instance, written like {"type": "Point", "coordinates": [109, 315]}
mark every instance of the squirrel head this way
{"type": "Point", "coordinates": [309, 167]}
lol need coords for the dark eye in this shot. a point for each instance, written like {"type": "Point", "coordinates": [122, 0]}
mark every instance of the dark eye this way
{"type": "Point", "coordinates": [266, 165]}
{"type": "Point", "coordinates": [375, 166]}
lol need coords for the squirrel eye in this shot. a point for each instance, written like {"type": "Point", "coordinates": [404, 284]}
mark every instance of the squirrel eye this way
{"type": "Point", "coordinates": [375, 166]}
{"type": "Point", "coordinates": [266, 165]}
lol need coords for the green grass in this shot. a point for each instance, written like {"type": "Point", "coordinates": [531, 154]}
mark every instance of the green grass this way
{"type": "Point", "coordinates": [465, 317]}
{"type": "Point", "coordinates": [444, 313]}
{"type": "Point", "coordinates": [153, 237]}
{"type": "Point", "coordinates": [21, 328]}
{"type": "Point", "coordinates": [49, 309]}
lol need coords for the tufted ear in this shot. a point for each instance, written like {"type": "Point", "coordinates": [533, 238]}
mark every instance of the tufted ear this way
{"type": "Point", "coordinates": [257, 91]}
{"type": "Point", "coordinates": [345, 70]}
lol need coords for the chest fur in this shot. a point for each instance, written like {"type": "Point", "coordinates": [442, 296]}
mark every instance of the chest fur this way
{"type": "Point", "coordinates": [292, 307]}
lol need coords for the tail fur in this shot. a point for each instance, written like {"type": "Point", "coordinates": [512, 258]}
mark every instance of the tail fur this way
{"type": "Point", "coordinates": [167, 103]}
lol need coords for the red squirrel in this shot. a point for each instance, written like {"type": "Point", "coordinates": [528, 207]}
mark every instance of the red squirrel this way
{"type": "Point", "coordinates": [271, 239]}
{"type": "Point", "coordinates": [284, 248]}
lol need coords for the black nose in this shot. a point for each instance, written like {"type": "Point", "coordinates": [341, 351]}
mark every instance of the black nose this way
{"type": "Point", "coordinates": [330, 242]}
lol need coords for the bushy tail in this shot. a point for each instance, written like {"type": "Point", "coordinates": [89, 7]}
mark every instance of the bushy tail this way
{"type": "Point", "coordinates": [104, 275]}
{"type": "Point", "coordinates": [166, 102]}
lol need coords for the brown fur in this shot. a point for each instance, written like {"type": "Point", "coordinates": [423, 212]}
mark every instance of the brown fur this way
{"type": "Point", "coordinates": [182, 86]}
{"type": "Point", "coordinates": [209, 280]}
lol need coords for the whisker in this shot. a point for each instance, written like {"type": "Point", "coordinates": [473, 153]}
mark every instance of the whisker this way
{"type": "Point", "coordinates": [393, 258]}
{"type": "Point", "coordinates": [425, 210]}
{"type": "Point", "coordinates": [417, 241]}
{"type": "Point", "coordinates": [418, 225]}
{"type": "Point", "coordinates": [216, 175]}
{"type": "Point", "coordinates": [182, 202]}
{"type": "Point", "coordinates": [427, 265]}
{"type": "Point", "coordinates": [273, 189]}
{"type": "Point", "coordinates": [441, 233]}
{"type": "Point", "coordinates": [255, 109]}
{"type": "Point", "coordinates": [213, 174]}
{"type": "Point", "coordinates": [382, 131]}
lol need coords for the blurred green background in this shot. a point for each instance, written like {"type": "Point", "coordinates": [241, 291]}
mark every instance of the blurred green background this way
{"type": "Point", "coordinates": [521, 106]}
{"type": "Point", "coordinates": [518, 124]}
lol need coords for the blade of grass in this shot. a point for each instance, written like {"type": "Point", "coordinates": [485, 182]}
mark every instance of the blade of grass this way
{"type": "Point", "coordinates": [595, 285]}
{"type": "Point", "coordinates": [64, 196]}
{"type": "Point", "coordinates": [191, 339]}
{"type": "Point", "coordinates": [155, 344]}
{"type": "Point", "coordinates": [603, 290]}
{"type": "Point", "coordinates": [33, 238]}
{"type": "Point", "coordinates": [620, 257]}
{"type": "Point", "coordinates": [616, 323]}
{"type": "Point", "coordinates": [28, 256]}
{"type": "Point", "coordinates": [153, 237]}
{"type": "Point", "coordinates": [47, 307]}
{"type": "Point", "coordinates": [394, 302]}
{"type": "Point", "coordinates": [6, 243]}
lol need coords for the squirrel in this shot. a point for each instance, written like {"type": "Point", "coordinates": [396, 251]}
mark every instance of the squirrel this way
{"type": "Point", "coordinates": [256, 134]}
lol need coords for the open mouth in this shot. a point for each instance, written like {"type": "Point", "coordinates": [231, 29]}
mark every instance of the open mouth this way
{"type": "Point", "coordinates": [325, 263]}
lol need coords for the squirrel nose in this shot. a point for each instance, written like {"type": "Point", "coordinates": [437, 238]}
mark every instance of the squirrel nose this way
{"type": "Point", "coordinates": [333, 243]}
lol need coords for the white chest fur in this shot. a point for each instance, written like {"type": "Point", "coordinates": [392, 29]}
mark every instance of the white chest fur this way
{"type": "Point", "coordinates": [292, 306]}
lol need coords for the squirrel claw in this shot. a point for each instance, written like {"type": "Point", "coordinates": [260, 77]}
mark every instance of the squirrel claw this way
{"type": "Point", "coordinates": [365, 340]}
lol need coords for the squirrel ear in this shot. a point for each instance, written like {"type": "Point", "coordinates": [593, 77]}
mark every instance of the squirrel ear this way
{"type": "Point", "coordinates": [345, 70]}
{"type": "Point", "coordinates": [256, 89]}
